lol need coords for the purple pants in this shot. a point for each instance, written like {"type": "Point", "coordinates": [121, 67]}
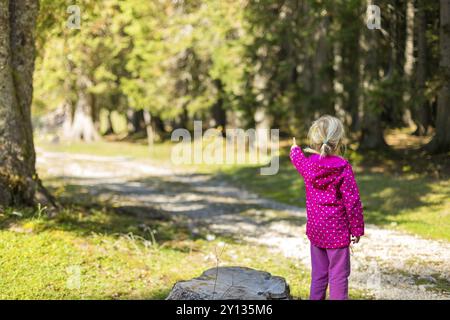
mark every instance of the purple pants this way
{"type": "Point", "coordinates": [329, 266]}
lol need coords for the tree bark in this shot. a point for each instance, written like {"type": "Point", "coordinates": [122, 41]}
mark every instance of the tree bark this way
{"type": "Point", "coordinates": [83, 126]}
{"type": "Point", "coordinates": [219, 113]}
{"type": "Point", "coordinates": [68, 120]}
{"type": "Point", "coordinates": [350, 72]}
{"type": "Point", "coordinates": [371, 128]}
{"type": "Point", "coordinates": [408, 66]}
{"type": "Point", "coordinates": [323, 74]}
{"type": "Point", "coordinates": [95, 113]}
{"type": "Point", "coordinates": [441, 140]}
{"type": "Point", "coordinates": [159, 126]}
{"type": "Point", "coordinates": [421, 110]}
{"type": "Point", "coordinates": [149, 128]}
{"type": "Point", "coordinates": [19, 183]}
{"type": "Point", "coordinates": [109, 125]}
{"type": "Point", "coordinates": [135, 121]}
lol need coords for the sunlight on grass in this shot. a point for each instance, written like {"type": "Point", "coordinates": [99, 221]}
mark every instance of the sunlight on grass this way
{"type": "Point", "coordinates": [125, 256]}
{"type": "Point", "coordinates": [160, 152]}
{"type": "Point", "coordinates": [38, 254]}
{"type": "Point", "coordinates": [415, 204]}
{"type": "Point", "coordinates": [407, 201]}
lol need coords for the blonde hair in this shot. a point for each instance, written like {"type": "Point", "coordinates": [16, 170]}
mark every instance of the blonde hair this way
{"type": "Point", "coordinates": [325, 136]}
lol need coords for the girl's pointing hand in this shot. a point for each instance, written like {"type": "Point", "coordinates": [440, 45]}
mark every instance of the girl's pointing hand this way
{"type": "Point", "coordinates": [294, 144]}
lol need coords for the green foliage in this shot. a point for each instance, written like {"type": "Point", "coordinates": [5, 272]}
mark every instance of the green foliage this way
{"type": "Point", "coordinates": [180, 59]}
{"type": "Point", "coordinates": [164, 56]}
{"type": "Point", "coordinates": [94, 53]}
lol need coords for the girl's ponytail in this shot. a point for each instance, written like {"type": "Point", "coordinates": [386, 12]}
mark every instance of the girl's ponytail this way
{"type": "Point", "coordinates": [325, 149]}
{"type": "Point", "coordinates": [325, 136]}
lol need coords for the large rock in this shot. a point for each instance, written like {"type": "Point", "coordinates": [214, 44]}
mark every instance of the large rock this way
{"type": "Point", "coordinates": [232, 283]}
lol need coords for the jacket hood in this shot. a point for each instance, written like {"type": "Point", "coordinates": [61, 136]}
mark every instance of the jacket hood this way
{"type": "Point", "coordinates": [326, 170]}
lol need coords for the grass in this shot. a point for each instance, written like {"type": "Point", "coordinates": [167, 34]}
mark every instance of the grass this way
{"type": "Point", "coordinates": [160, 153]}
{"type": "Point", "coordinates": [441, 285]}
{"type": "Point", "coordinates": [98, 254]}
{"type": "Point", "coordinates": [416, 204]}
{"type": "Point", "coordinates": [96, 251]}
{"type": "Point", "coordinates": [410, 202]}
{"type": "Point", "coordinates": [93, 251]}
{"type": "Point", "coordinates": [397, 192]}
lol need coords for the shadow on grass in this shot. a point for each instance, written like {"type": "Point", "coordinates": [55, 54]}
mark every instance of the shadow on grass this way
{"type": "Point", "coordinates": [137, 207]}
{"type": "Point", "coordinates": [168, 207]}
{"type": "Point", "coordinates": [384, 195]}
{"type": "Point", "coordinates": [84, 215]}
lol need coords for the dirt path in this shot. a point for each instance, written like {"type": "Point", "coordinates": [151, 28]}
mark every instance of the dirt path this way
{"type": "Point", "coordinates": [387, 264]}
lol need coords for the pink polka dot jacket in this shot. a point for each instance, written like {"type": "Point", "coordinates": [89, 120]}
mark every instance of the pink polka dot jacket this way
{"type": "Point", "coordinates": [333, 206]}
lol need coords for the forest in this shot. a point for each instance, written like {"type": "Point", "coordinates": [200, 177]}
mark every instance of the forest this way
{"type": "Point", "coordinates": [86, 85]}
{"type": "Point", "coordinates": [289, 60]}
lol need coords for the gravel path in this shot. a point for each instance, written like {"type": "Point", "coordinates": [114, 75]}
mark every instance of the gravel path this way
{"type": "Point", "coordinates": [387, 264]}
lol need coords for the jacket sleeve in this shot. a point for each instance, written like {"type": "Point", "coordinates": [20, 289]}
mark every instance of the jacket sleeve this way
{"type": "Point", "coordinates": [298, 159]}
{"type": "Point", "coordinates": [352, 202]}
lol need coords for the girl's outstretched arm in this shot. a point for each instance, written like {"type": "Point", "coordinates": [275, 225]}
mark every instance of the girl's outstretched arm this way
{"type": "Point", "coordinates": [352, 201]}
{"type": "Point", "coordinates": [297, 157]}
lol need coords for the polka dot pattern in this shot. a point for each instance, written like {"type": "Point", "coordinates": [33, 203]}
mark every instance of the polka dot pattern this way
{"type": "Point", "coordinates": [333, 205]}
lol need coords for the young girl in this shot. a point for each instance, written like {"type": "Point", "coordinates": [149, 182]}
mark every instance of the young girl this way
{"type": "Point", "coordinates": [333, 206]}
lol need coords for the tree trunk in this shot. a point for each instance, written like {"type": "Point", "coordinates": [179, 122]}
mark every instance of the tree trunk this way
{"type": "Point", "coordinates": [350, 70]}
{"type": "Point", "coordinates": [19, 183]}
{"type": "Point", "coordinates": [421, 110]}
{"type": "Point", "coordinates": [184, 117]}
{"type": "Point", "coordinates": [441, 140]}
{"type": "Point", "coordinates": [159, 126]}
{"type": "Point", "coordinates": [371, 129]}
{"type": "Point", "coordinates": [372, 132]}
{"type": "Point", "coordinates": [149, 128]}
{"type": "Point", "coordinates": [95, 113]}
{"type": "Point", "coordinates": [135, 120]}
{"type": "Point", "coordinates": [323, 74]}
{"type": "Point", "coordinates": [218, 111]}
{"type": "Point", "coordinates": [68, 120]}
{"type": "Point", "coordinates": [109, 125]}
{"type": "Point", "coordinates": [408, 67]}
{"type": "Point", "coordinates": [83, 126]}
